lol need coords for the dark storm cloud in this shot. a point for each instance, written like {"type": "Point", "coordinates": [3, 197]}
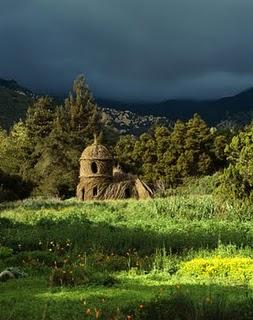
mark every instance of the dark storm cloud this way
{"type": "Point", "coordinates": [134, 49]}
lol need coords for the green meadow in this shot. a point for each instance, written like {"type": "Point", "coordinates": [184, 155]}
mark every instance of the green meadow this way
{"type": "Point", "coordinates": [180, 257]}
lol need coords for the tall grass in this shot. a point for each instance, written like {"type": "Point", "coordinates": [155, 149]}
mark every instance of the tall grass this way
{"type": "Point", "coordinates": [176, 223]}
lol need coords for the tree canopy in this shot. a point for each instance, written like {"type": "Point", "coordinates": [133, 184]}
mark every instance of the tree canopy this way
{"type": "Point", "coordinates": [189, 149]}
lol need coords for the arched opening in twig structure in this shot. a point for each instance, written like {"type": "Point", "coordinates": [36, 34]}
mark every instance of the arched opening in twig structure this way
{"type": "Point", "coordinates": [94, 167]}
{"type": "Point", "coordinates": [127, 193]}
{"type": "Point", "coordinates": [83, 193]}
{"type": "Point", "coordinates": [95, 191]}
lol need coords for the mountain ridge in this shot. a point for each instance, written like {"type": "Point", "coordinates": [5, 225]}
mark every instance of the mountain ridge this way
{"type": "Point", "coordinates": [15, 99]}
{"type": "Point", "coordinates": [212, 111]}
{"type": "Point", "coordinates": [137, 117]}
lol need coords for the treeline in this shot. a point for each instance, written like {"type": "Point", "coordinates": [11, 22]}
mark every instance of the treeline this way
{"type": "Point", "coordinates": [169, 155]}
{"type": "Point", "coordinates": [40, 155]}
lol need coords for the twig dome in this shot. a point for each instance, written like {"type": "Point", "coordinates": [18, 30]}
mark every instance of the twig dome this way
{"type": "Point", "coordinates": [96, 152]}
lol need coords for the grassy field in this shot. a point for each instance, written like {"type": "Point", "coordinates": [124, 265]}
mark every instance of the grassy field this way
{"type": "Point", "coordinates": [183, 257]}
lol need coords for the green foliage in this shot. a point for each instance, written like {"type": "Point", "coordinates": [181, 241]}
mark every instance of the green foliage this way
{"type": "Point", "coordinates": [44, 150]}
{"type": "Point", "coordinates": [35, 259]}
{"type": "Point", "coordinates": [237, 180]}
{"type": "Point", "coordinates": [5, 252]}
{"type": "Point", "coordinates": [182, 305]}
{"type": "Point", "coordinates": [12, 157]}
{"type": "Point", "coordinates": [107, 262]}
{"type": "Point", "coordinates": [190, 149]}
{"type": "Point", "coordinates": [12, 149]}
{"type": "Point", "coordinates": [74, 274]}
{"type": "Point", "coordinates": [178, 306]}
{"type": "Point", "coordinates": [176, 224]}
{"type": "Point", "coordinates": [198, 186]}
{"type": "Point", "coordinates": [12, 187]}
{"type": "Point", "coordinates": [236, 270]}
{"type": "Point", "coordinates": [13, 105]}
{"type": "Point", "coordinates": [164, 262]}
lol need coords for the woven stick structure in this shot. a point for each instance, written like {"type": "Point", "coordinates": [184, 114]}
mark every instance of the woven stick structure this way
{"type": "Point", "coordinates": [100, 180]}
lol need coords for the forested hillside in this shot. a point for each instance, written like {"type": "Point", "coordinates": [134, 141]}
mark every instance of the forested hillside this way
{"type": "Point", "coordinates": [41, 153]}
{"type": "Point", "coordinates": [14, 101]}
{"type": "Point", "coordinates": [236, 108]}
{"type": "Point", "coordinates": [136, 118]}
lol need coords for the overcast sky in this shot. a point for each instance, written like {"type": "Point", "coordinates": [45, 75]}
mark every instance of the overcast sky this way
{"type": "Point", "coordinates": [129, 49]}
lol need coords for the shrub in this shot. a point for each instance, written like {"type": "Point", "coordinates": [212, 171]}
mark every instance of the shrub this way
{"type": "Point", "coordinates": [237, 179]}
{"type": "Point", "coordinates": [199, 186]}
{"type": "Point", "coordinates": [13, 187]}
{"type": "Point", "coordinates": [236, 270]}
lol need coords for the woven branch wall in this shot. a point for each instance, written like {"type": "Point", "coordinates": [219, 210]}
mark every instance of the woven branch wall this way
{"type": "Point", "coordinates": [98, 182]}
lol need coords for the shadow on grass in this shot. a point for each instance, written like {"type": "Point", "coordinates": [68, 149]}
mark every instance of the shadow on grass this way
{"type": "Point", "coordinates": [33, 299]}
{"type": "Point", "coordinates": [57, 204]}
{"type": "Point", "coordinates": [84, 235]}
{"type": "Point", "coordinates": [38, 204]}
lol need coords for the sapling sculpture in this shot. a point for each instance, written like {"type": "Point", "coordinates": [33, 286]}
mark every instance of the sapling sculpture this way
{"type": "Point", "coordinates": [100, 180]}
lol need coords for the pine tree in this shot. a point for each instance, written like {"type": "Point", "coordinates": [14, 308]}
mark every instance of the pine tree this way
{"type": "Point", "coordinates": [171, 160]}
{"type": "Point", "coordinates": [125, 155]}
{"type": "Point", "coordinates": [198, 143]}
{"type": "Point", "coordinates": [189, 149]}
{"type": "Point", "coordinates": [39, 124]}
{"type": "Point", "coordinates": [71, 130]}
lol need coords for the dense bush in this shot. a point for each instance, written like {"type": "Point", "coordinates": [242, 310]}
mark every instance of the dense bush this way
{"type": "Point", "coordinates": [199, 186]}
{"type": "Point", "coordinates": [237, 180]}
{"type": "Point", "coordinates": [236, 270]}
{"type": "Point", "coordinates": [13, 187]}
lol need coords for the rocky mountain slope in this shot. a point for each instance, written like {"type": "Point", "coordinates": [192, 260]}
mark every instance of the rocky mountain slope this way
{"type": "Point", "coordinates": [14, 101]}
{"type": "Point", "coordinates": [213, 111]}
{"type": "Point", "coordinates": [128, 122]}
{"type": "Point", "coordinates": [137, 118]}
